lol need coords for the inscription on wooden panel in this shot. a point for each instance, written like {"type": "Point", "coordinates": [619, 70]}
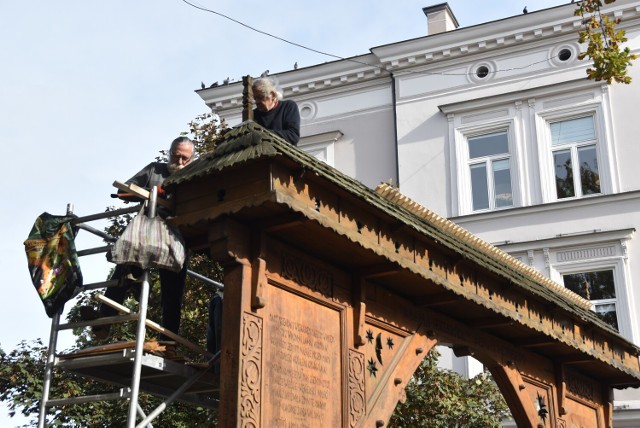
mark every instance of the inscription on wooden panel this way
{"type": "Point", "coordinates": [303, 374]}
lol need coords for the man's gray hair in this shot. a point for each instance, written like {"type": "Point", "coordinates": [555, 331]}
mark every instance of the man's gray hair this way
{"type": "Point", "coordinates": [180, 140]}
{"type": "Point", "coordinates": [266, 85]}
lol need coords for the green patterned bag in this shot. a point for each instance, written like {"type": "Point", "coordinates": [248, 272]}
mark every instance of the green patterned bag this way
{"type": "Point", "coordinates": [53, 261]}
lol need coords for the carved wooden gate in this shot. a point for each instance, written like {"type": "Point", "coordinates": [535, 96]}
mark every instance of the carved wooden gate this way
{"type": "Point", "coordinates": [334, 293]}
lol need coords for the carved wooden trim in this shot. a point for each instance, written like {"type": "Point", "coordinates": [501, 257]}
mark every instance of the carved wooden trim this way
{"type": "Point", "coordinates": [258, 284]}
{"type": "Point", "coordinates": [561, 388]}
{"type": "Point", "coordinates": [357, 397]}
{"type": "Point", "coordinates": [247, 98]}
{"type": "Point", "coordinates": [359, 310]}
{"type": "Point", "coordinates": [251, 371]}
{"type": "Point", "coordinates": [307, 274]}
{"type": "Point", "coordinates": [581, 387]}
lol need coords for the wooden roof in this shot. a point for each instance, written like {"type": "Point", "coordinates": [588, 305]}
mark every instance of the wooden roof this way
{"type": "Point", "coordinates": [249, 144]}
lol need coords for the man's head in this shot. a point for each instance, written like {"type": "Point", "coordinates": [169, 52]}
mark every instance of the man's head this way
{"type": "Point", "coordinates": [180, 153]}
{"type": "Point", "coordinates": [266, 93]}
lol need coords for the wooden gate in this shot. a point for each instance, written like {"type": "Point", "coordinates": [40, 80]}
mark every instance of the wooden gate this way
{"type": "Point", "coordinates": [334, 293]}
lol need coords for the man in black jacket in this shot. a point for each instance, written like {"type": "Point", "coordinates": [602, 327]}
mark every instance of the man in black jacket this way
{"type": "Point", "coordinates": [272, 112]}
{"type": "Point", "coordinates": [181, 153]}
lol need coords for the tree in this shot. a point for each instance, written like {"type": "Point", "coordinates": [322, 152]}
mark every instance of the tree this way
{"type": "Point", "coordinates": [438, 398]}
{"type": "Point", "coordinates": [610, 62]}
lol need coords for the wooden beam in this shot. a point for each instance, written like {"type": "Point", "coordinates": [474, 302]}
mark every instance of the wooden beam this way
{"type": "Point", "coordinates": [138, 191]}
{"type": "Point", "coordinates": [575, 359]}
{"type": "Point", "coordinates": [377, 271]}
{"type": "Point", "coordinates": [247, 98]}
{"type": "Point", "coordinates": [282, 222]}
{"type": "Point", "coordinates": [491, 322]}
{"type": "Point", "coordinates": [440, 299]}
{"type": "Point", "coordinates": [535, 342]}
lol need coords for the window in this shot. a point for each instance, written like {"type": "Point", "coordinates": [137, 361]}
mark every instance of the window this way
{"type": "Point", "coordinates": [321, 146]}
{"type": "Point", "coordinates": [490, 171]}
{"type": "Point", "coordinates": [599, 288]}
{"type": "Point", "coordinates": [597, 268]}
{"type": "Point", "coordinates": [564, 54]}
{"type": "Point", "coordinates": [575, 159]}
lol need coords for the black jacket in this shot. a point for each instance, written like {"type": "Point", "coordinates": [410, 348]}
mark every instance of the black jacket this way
{"type": "Point", "coordinates": [283, 120]}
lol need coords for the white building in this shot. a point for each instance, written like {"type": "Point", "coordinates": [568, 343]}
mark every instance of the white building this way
{"type": "Point", "coordinates": [495, 127]}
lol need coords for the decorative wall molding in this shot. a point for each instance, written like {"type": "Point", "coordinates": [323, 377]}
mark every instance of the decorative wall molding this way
{"type": "Point", "coordinates": [586, 253]}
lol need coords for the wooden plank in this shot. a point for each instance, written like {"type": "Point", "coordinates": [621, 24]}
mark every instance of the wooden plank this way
{"type": "Point", "coordinates": [139, 192]}
{"type": "Point", "coordinates": [149, 346]}
{"type": "Point", "coordinates": [157, 327]}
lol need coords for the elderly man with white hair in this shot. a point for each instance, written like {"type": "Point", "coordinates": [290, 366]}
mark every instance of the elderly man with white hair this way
{"type": "Point", "coordinates": [272, 112]}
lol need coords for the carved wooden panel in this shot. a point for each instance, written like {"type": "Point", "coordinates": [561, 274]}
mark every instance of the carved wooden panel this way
{"type": "Point", "coordinates": [382, 344]}
{"type": "Point", "coordinates": [307, 274]}
{"type": "Point", "coordinates": [357, 400]}
{"type": "Point", "coordinates": [251, 371]}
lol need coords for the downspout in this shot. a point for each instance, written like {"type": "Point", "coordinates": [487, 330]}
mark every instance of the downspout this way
{"type": "Point", "coordinates": [395, 128]}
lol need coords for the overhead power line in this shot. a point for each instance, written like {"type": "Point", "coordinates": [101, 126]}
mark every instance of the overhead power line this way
{"type": "Point", "coordinates": [204, 9]}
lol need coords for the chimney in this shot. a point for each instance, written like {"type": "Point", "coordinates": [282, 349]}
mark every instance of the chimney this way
{"type": "Point", "coordinates": [440, 18]}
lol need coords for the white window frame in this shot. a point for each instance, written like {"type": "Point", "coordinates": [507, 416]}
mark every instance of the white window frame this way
{"type": "Point", "coordinates": [620, 278]}
{"type": "Point", "coordinates": [463, 172]}
{"type": "Point", "coordinates": [545, 149]}
{"type": "Point", "coordinates": [321, 146]}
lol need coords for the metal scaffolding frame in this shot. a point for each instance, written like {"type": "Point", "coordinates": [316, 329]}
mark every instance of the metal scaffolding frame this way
{"type": "Point", "coordinates": [131, 369]}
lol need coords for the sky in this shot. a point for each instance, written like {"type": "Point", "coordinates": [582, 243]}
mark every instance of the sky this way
{"type": "Point", "coordinates": [91, 91]}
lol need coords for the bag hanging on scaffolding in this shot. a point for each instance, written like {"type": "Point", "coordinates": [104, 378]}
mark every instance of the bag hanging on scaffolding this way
{"type": "Point", "coordinates": [52, 260]}
{"type": "Point", "coordinates": [149, 242]}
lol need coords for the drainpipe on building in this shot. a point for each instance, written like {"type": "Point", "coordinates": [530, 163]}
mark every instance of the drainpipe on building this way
{"type": "Point", "coordinates": [395, 129]}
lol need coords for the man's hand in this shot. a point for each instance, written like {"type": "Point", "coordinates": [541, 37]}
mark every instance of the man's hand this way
{"type": "Point", "coordinates": [161, 192]}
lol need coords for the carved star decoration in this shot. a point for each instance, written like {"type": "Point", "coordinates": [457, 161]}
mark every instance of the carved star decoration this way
{"type": "Point", "coordinates": [390, 342]}
{"type": "Point", "coordinates": [371, 366]}
{"type": "Point", "coordinates": [542, 408]}
{"type": "Point", "coordinates": [370, 336]}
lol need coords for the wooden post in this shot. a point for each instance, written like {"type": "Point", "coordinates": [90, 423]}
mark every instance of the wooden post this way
{"type": "Point", "coordinates": [247, 98]}
{"type": "Point", "coordinates": [229, 244]}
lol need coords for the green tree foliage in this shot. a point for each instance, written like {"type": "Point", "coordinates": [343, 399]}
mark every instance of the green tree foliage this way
{"type": "Point", "coordinates": [438, 398]}
{"type": "Point", "coordinates": [610, 61]}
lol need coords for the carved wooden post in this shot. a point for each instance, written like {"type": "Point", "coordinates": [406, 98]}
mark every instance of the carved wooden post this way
{"type": "Point", "coordinates": [229, 244]}
{"type": "Point", "coordinates": [247, 98]}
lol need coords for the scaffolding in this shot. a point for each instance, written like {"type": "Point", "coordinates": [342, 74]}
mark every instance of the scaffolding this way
{"type": "Point", "coordinates": [131, 369]}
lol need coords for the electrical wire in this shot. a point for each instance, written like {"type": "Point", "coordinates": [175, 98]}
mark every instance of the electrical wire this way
{"type": "Point", "coordinates": [204, 9]}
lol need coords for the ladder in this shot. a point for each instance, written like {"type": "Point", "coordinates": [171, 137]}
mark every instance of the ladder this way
{"type": "Point", "coordinates": [131, 369]}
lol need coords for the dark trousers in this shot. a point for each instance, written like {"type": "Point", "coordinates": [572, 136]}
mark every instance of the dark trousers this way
{"type": "Point", "coordinates": [214, 327]}
{"type": "Point", "coordinates": [171, 294]}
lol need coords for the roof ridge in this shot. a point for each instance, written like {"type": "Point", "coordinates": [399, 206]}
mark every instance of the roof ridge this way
{"type": "Point", "coordinates": [393, 195]}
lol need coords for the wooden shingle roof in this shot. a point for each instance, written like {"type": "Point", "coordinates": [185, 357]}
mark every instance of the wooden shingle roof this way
{"type": "Point", "coordinates": [250, 142]}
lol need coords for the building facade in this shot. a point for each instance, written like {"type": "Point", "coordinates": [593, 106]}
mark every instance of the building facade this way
{"type": "Point", "coordinates": [495, 127]}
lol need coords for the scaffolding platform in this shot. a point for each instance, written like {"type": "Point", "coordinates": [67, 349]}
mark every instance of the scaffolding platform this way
{"type": "Point", "coordinates": [159, 376]}
{"type": "Point", "coordinates": [136, 366]}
